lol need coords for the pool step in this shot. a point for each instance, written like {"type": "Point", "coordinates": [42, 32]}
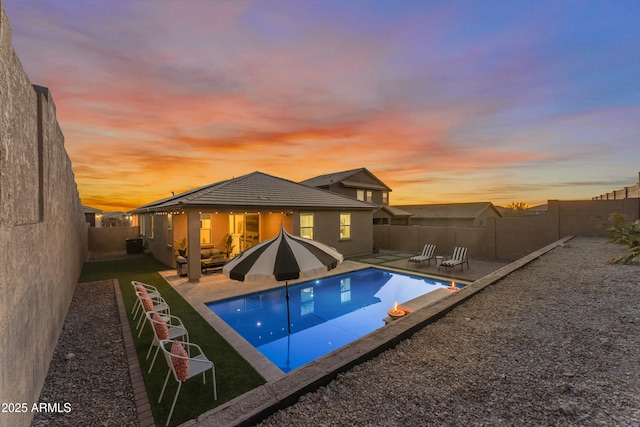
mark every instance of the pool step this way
{"type": "Point", "coordinates": [422, 301]}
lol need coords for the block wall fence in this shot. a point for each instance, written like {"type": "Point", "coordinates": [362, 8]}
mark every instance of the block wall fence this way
{"type": "Point", "coordinates": [111, 239]}
{"type": "Point", "coordinates": [510, 238]}
{"type": "Point", "coordinates": [43, 233]}
{"type": "Point", "coordinates": [632, 191]}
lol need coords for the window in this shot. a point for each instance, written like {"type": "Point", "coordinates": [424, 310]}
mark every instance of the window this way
{"type": "Point", "coordinates": [364, 195]}
{"type": "Point", "coordinates": [307, 304]}
{"type": "Point", "coordinates": [152, 225]}
{"type": "Point", "coordinates": [345, 225]}
{"type": "Point", "coordinates": [170, 230]}
{"type": "Point", "coordinates": [385, 198]}
{"type": "Point", "coordinates": [205, 229]}
{"type": "Point", "coordinates": [345, 290]}
{"type": "Point", "coordinates": [306, 225]}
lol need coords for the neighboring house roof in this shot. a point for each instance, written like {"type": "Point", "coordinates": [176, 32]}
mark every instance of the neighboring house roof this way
{"type": "Point", "coordinates": [449, 210]}
{"type": "Point", "coordinates": [114, 214]}
{"type": "Point", "coordinates": [256, 190]}
{"type": "Point", "coordinates": [348, 178]}
{"type": "Point", "coordinates": [396, 212]}
{"type": "Point", "coordinates": [538, 208]}
{"type": "Point", "coordinates": [89, 209]}
{"type": "Point", "coordinates": [535, 210]}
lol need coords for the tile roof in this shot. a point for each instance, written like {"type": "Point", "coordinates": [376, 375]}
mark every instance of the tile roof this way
{"type": "Point", "coordinates": [328, 179]}
{"type": "Point", "coordinates": [89, 209]}
{"type": "Point", "coordinates": [449, 210]}
{"type": "Point", "coordinates": [342, 177]}
{"type": "Point", "coordinates": [256, 190]}
{"type": "Point", "coordinates": [396, 211]}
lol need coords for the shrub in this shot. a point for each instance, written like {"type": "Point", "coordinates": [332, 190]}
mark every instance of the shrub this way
{"type": "Point", "coordinates": [626, 233]}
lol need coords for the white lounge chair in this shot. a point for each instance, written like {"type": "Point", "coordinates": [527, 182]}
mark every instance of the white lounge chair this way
{"type": "Point", "coordinates": [185, 364]}
{"type": "Point", "coordinates": [428, 253]}
{"type": "Point", "coordinates": [459, 257]}
{"type": "Point", "coordinates": [157, 304]}
{"type": "Point", "coordinates": [142, 287]}
{"type": "Point", "coordinates": [164, 327]}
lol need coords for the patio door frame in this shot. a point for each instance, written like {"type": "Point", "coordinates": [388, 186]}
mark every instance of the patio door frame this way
{"type": "Point", "coordinates": [243, 238]}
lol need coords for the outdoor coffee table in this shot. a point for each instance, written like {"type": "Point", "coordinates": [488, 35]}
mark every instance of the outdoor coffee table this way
{"type": "Point", "coordinates": [440, 258]}
{"type": "Point", "coordinates": [213, 264]}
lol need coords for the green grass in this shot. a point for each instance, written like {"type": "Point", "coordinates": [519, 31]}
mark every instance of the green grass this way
{"type": "Point", "coordinates": [234, 375]}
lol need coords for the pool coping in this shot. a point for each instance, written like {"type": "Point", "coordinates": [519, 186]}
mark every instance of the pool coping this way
{"type": "Point", "coordinates": [285, 390]}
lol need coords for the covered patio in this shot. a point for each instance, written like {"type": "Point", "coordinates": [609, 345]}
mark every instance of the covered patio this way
{"type": "Point", "coordinates": [225, 218]}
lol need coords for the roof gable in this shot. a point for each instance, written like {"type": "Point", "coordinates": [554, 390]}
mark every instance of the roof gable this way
{"type": "Point", "coordinates": [354, 178]}
{"type": "Point", "coordinates": [257, 190]}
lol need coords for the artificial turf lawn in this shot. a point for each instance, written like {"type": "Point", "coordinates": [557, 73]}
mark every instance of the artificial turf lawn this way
{"type": "Point", "coordinates": [234, 375]}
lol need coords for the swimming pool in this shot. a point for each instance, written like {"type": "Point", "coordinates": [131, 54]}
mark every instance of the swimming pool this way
{"type": "Point", "coordinates": [325, 314]}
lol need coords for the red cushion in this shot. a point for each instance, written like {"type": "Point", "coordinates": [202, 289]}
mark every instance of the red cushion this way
{"type": "Point", "coordinates": [147, 304]}
{"type": "Point", "coordinates": [181, 366]}
{"type": "Point", "coordinates": [162, 331]}
{"type": "Point", "coordinates": [142, 290]}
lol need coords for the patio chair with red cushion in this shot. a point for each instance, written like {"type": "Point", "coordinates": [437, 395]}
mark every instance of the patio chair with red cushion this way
{"type": "Point", "coordinates": [185, 361]}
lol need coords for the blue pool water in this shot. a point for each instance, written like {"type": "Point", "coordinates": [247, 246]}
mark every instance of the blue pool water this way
{"type": "Point", "coordinates": [326, 314]}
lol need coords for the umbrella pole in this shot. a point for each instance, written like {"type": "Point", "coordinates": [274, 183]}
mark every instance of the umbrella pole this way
{"type": "Point", "coordinates": [286, 285]}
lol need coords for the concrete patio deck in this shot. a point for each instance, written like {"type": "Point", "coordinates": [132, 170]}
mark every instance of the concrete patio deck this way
{"type": "Point", "coordinates": [400, 260]}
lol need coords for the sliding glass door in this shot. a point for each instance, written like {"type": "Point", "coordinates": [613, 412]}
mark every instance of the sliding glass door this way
{"type": "Point", "coordinates": [245, 230]}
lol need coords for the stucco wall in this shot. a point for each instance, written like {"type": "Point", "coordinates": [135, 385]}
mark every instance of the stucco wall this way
{"type": "Point", "coordinates": [327, 231]}
{"type": "Point", "coordinates": [43, 233]}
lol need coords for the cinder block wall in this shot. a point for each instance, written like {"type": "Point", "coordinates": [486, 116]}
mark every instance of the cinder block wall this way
{"type": "Point", "coordinates": [43, 233]}
{"type": "Point", "coordinates": [111, 239]}
{"type": "Point", "coordinates": [510, 237]}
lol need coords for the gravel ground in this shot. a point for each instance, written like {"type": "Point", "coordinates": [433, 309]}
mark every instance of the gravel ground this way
{"type": "Point", "coordinates": [89, 369]}
{"type": "Point", "coordinates": [555, 343]}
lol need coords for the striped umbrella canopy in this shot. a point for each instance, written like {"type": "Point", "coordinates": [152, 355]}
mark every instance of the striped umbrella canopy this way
{"type": "Point", "coordinates": [282, 258]}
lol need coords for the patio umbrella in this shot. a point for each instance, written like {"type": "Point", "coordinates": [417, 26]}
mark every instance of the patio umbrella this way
{"type": "Point", "coordinates": [282, 258]}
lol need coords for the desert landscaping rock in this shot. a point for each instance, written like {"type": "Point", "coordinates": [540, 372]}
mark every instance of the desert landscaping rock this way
{"type": "Point", "coordinates": [89, 370]}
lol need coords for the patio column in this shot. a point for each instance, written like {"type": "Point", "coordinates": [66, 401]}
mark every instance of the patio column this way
{"type": "Point", "coordinates": [193, 246]}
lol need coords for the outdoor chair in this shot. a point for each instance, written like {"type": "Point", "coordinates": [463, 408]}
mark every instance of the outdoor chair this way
{"type": "Point", "coordinates": [164, 327]}
{"type": "Point", "coordinates": [185, 364]}
{"type": "Point", "coordinates": [428, 253]}
{"type": "Point", "coordinates": [459, 257]}
{"type": "Point", "coordinates": [149, 303]}
{"type": "Point", "coordinates": [142, 287]}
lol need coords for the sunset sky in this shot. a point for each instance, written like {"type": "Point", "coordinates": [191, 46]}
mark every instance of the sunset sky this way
{"type": "Point", "coordinates": [444, 101]}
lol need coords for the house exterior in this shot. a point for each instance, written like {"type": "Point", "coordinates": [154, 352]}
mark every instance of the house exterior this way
{"type": "Point", "coordinates": [93, 216]}
{"type": "Point", "coordinates": [361, 184]}
{"type": "Point", "coordinates": [391, 215]}
{"type": "Point", "coordinates": [358, 184]}
{"type": "Point", "coordinates": [452, 214]}
{"type": "Point", "coordinates": [248, 210]}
